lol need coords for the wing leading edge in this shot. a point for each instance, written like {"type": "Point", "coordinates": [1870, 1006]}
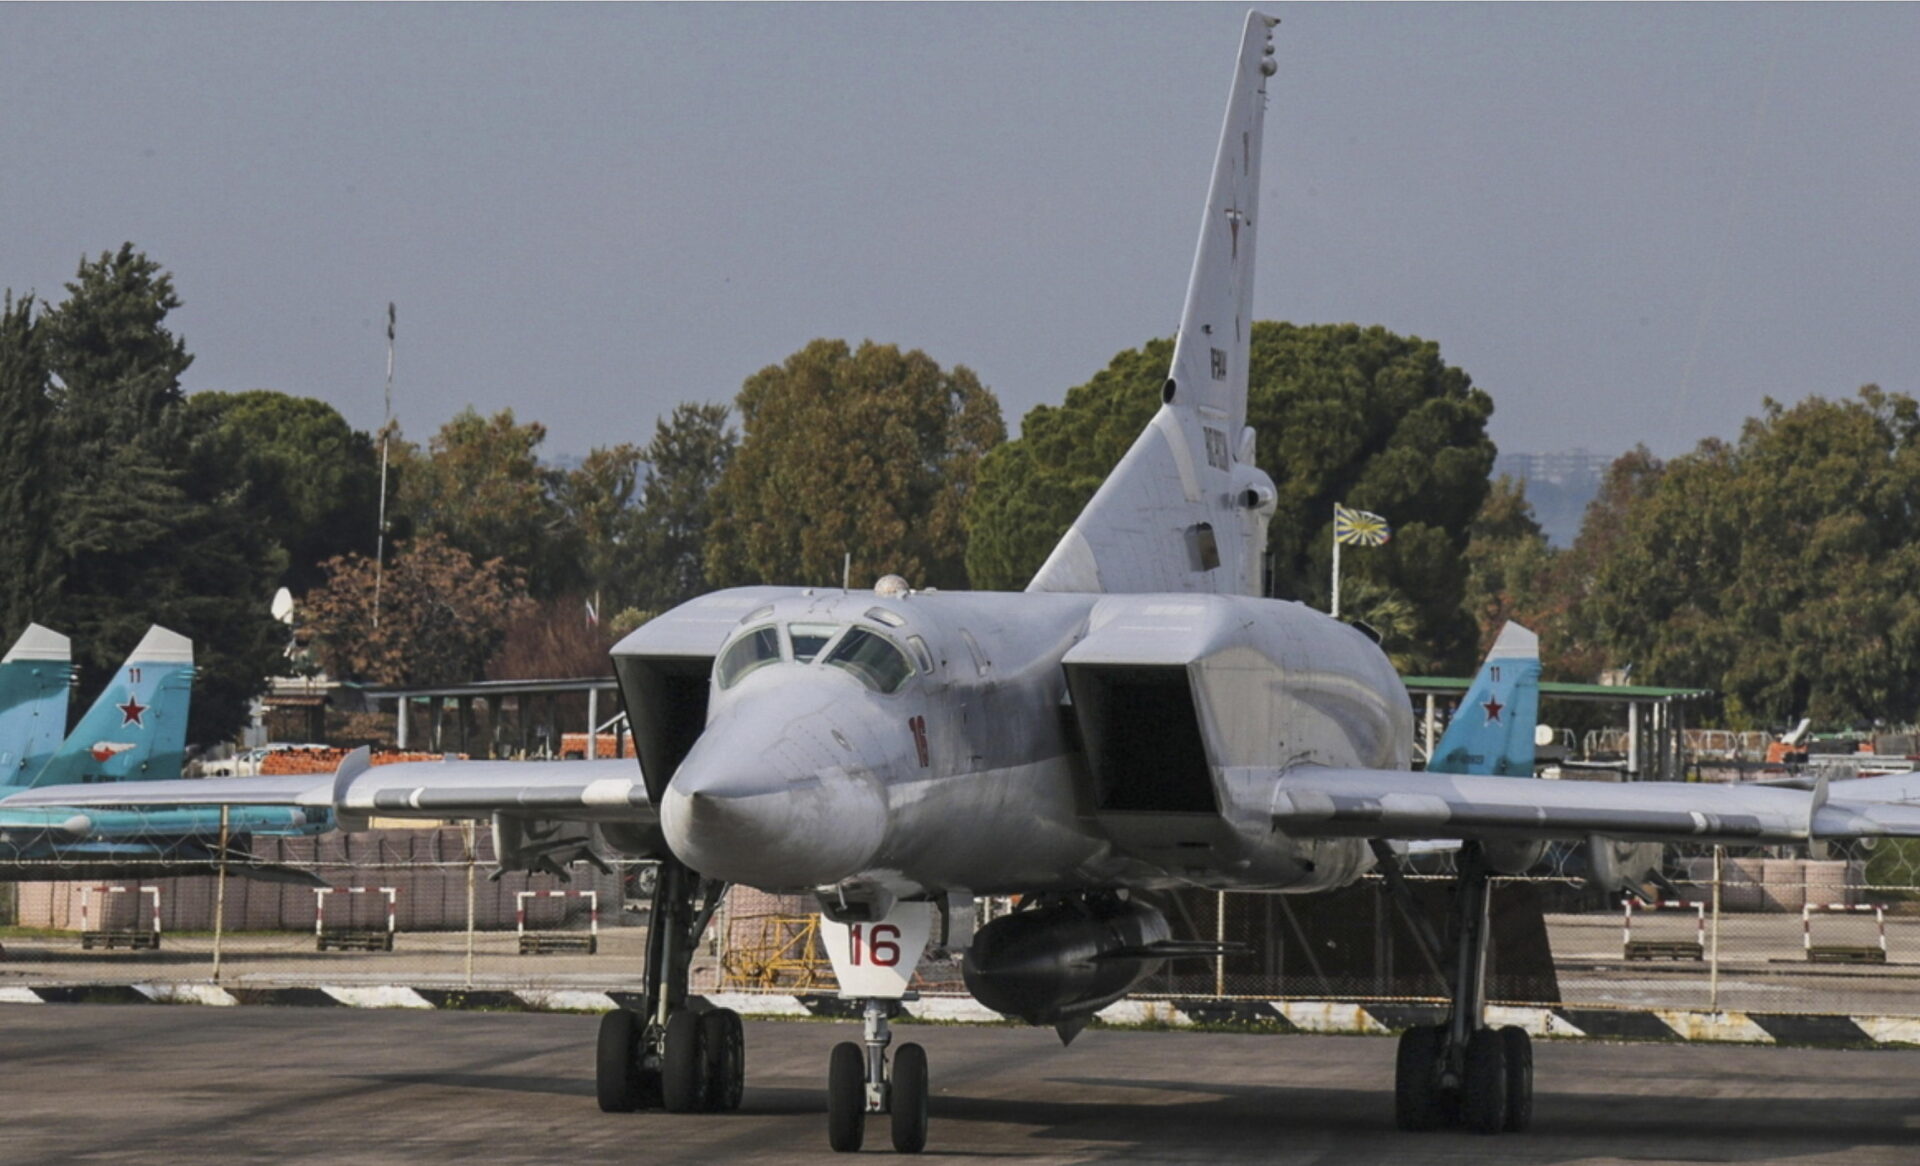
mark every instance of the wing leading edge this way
{"type": "Point", "coordinates": [1395, 804]}
{"type": "Point", "coordinates": [608, 790]}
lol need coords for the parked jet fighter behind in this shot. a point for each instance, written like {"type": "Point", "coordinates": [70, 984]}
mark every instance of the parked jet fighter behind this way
{"type": "Point", "coordinates": [1137, 719]}
{"type": "Point", "coordinates": [135, 731]}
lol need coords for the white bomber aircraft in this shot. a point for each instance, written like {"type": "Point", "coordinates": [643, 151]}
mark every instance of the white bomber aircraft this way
{"type": "Point", "coordinates": [1137, 719]}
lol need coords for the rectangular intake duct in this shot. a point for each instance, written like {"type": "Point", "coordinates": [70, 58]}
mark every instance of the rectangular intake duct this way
{"type": "Point", "coordinates": [666, 702]}
{"type": "Point", "coordinates": [1143, 741]}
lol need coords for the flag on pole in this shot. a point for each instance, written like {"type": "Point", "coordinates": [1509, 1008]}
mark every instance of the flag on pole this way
{"type": "Point", "coordinates": [1359, 528]}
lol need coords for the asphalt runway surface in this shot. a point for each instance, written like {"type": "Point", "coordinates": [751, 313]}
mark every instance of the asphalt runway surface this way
{"type": "Point", "coordinates": [99, 1083]}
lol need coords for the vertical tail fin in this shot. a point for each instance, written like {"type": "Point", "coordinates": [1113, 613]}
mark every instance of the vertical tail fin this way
{"type": "Point", "coordinates": [33, 702]}
{"type": "Point", "coordinates": [137, 727]}
{"type": "Point", "coordinates": [1186, 509]}
{"type": "Point", "coordinates": [1492, 730]}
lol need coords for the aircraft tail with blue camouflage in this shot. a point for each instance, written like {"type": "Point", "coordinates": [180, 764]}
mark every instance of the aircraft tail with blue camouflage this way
{"type": "Point", "coordinates": [137, 727]}
{"type": "Point", "coordinates": [34, 678]}
{"type": "Point", "coordinates": [1492, 731]}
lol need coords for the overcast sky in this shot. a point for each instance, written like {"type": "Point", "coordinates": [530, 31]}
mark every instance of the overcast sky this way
{"type": "Point", "coordinates": [1626, 223]}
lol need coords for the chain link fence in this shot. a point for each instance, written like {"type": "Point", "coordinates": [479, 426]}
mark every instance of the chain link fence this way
{"type": "Point", "coordinates": [1772, 931]}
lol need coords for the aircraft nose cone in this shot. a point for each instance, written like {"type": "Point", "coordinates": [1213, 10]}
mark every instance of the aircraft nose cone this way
{"type": "Point", "coordinates": [770, 818]}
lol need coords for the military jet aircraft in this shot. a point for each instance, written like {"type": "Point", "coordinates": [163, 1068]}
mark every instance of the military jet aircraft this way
{"type": "Point", "coordinates": [135, 731]}
{"type": "Point", "coordinates": [34, 675]}
{"type": "Point", "coordinates": [1139, 718]}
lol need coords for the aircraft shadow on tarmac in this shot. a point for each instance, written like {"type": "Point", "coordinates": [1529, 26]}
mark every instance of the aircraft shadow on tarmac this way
{"type": "Point", "coordinates": [1567, 1127]}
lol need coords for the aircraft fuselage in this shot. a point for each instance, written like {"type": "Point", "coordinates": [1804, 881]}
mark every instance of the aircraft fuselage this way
{"type": "Point", "coordinates": [993, 742]}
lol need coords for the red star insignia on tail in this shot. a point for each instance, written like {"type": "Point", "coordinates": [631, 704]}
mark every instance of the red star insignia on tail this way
{"type": "Point", "coordinates": [130, 712]}
{"type": "Point", "coordinates": [1494, 709]}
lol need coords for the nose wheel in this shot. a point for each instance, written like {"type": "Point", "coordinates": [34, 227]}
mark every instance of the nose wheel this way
{"type": "Point", "coordinates": [860, 1081]}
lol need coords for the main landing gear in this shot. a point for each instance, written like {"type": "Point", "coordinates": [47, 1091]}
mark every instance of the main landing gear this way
{"type": "Point", "coordinates": [1461, 1072]}
{"type": "Point", "coordinates": [860, 1082]}
{"type": "Point", "coordinates": [671, 1053]}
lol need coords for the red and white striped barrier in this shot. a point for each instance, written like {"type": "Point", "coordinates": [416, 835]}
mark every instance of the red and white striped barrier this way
{"type": "Point", "coordinates": [86, 894]}
{"type": "Point", "coordinates": [1699, 923]}
{"type": "Point", "coordinates": [520, 907]}
{"type": "Point", "coordinates": [1806, 920]}
{"type": "Point", "coordinates": [320, 903]}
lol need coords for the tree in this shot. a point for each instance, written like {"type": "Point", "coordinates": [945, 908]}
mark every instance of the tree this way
{"type": "Point", "coordinates": [870, 452]}
{"type": "Point", "coordinates": [1343, 413]}
{"type": "Point", "coordinates": [599, 513]}
{"type": "Point", "coordinates": [316, 477]}
{"type": "Point", "coordinates": [440, 615]}
{"type": "Point", "coordinates": [148, 523]}
{"type": "Point", "coordinates": [1782, 569]}
{"type": "Point", "coordinates": [27, 561]}
{"type": "Point", "coordinates": [480, 483]}
{"type": "Point", "coordinates": [1510, 566]}
{"type": "Point", "coordinates": [689, 454]}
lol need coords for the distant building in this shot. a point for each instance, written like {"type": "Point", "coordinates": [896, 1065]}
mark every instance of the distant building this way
{"type": "Point", "coordinates": [1559, 485]}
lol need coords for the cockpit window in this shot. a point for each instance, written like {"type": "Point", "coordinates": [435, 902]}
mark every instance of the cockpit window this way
{"type": "Point", "coordinates": [809, 638]}
{"type": "Point", "coordinates": [873, 658]}
{"type": "Point", "coordinates": [759, 646]}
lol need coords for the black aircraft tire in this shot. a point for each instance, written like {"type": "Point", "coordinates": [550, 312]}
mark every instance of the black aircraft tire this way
{"type": "Point", "coordinates": [846, 1097]}
{"type": "Point", "coordinates": [1519, 1078]}
{"type": "Point", "coordinates": [615, 1075]}
{"type": "Point", "coordinates": [725, 1043]}
{"type": "Point", "coordinates": [1483, 1095]}
{"type": "Point", "coordinates": [908, 1099]}
{"type": "Point", "coordinates": [1417, 1103]}
{"type": "Point", "coordinates": [683, 1065]}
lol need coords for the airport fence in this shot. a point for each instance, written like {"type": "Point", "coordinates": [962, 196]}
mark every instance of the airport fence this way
{"type": "Point", "coordinates": [1773, 931]}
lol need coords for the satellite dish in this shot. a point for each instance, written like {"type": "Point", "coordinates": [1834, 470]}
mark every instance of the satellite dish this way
{"type": "Point", "coordinates": [1542, 736]}
{"type": "Point", "coordinates": [283, 605]}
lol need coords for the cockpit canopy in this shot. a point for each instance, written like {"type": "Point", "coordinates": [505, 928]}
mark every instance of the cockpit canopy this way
{"type": "Point", "coordinates": [871, 657]}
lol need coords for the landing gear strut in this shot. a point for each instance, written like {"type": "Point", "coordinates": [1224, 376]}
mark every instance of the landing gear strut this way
{"type": "Point", "coordinates": [860, 1082]}
{"type": "Point", "coordinates": [1461, 1072]}
{"type": "Point", "coordinates": [670, 1053]}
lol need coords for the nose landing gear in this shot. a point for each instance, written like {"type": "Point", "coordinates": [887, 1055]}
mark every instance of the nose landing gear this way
{"type": "Point", "coordinates": [1461, 1073]}
{"type": "Point", "coordinates": [860, 1082]}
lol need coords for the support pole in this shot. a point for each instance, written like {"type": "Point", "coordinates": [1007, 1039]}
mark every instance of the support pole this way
{"type": "Point", "coordinates": [1633, 740]}
{"type": "Point", "coordinates": [1336, 576]}
{"type": "Point", "coordinates": [220, 895]}
{"type": "Point", "coordinates": [593, 724]}
{"type": "Point", "coordinates": [1713, 956]}
{"type": "Point", "coordinates": [466, 832]}
{"type": "Point", "coordinates": [1220, 937]}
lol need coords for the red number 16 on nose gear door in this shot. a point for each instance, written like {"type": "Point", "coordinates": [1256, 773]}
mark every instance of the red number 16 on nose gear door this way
{"type": "Point", "coordinates": [875, 958]}
{"type": "Point", "coordinates": [874, 943]}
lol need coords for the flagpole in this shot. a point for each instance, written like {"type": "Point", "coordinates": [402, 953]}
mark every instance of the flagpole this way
{"type": "Point", "coordinates": [1336, 569]}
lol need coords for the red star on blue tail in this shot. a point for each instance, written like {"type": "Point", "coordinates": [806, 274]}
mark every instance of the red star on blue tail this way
{"type": "Point", "coordinates": [1494, 708]}
{"type": "Point", "coordinates": [130, 712]}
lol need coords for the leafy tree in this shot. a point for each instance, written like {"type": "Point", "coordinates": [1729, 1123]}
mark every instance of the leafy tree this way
{"type": "Point", "coordinates": [690, 452]}
{"type": "Point", "coordinates": [1782, 569]}
{"type": "Point", "coordinates": [440, 615]}
{"type": "Point", "coordinates": [27, 561]}
{"type": "Point", "coordinates": [316, 477]}
{"type": "Point", "coordinates": [1344, 414]}
{"type": "Point", "coordinates": [148, 525]}
{"type": "Point", "coordinates": [481, 484]}
{"type": "Point", "coordinates": [1510, 567]}
{"type": "Point", "coordinates": [551, 640]}
{"type": "Point", "coordinates": [871, 452]}
{"type": "Point", "coordinates": [598, 508]}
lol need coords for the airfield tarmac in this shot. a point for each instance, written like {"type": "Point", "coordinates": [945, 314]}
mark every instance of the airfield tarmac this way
{"type": "Point", "coordinates": [103, 1084]}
